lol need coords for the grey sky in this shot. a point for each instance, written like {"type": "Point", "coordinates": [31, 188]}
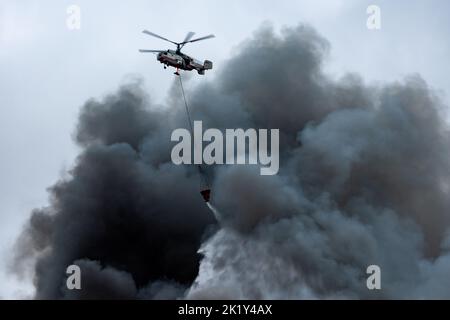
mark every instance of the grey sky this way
{"type": "Point", "coordinates": [48, 71]}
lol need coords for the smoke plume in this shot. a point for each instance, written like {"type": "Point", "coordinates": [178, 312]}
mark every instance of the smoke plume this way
{"type": "Point", "coordinates": [364, 179]}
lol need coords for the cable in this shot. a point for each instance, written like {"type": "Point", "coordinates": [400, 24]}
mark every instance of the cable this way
{"type": "Point", "coordinates": [186, 105]}
{"type": "Point", "coordinates": [200, 169]}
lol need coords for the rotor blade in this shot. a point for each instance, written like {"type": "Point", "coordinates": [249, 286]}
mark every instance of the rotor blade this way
{"type": "Point", "coordinates": [145, 50]}
{"type": "Point", "coordinates": [202, 38]}
{"type": "Point", "coordinates": [157, 36]}
{"type": "Point", "coordinates": [188, 37]}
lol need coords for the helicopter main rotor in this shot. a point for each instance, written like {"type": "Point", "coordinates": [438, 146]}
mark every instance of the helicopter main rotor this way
{"type": "Point", "coordinates": [179, 45]}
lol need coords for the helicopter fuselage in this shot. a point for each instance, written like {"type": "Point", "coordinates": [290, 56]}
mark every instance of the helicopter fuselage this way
{"type": "Point", "coordinates": [182, 61]}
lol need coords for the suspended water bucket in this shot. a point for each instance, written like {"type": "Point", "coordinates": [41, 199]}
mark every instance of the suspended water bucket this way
{"type": "Point", "coordinates": [206, 194]}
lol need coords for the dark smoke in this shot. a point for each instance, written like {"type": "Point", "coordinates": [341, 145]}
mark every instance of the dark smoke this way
{"type": "Point", "coordinates": [124, 211]}
{"type": "Point", "coordinates": [364, 179]}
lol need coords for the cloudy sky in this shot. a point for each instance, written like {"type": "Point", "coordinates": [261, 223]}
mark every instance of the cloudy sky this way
{"type": "Point", "coordinates": [49, 71]}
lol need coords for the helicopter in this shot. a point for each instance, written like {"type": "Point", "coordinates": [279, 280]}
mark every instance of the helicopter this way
{"type": "Point", "coordinates": [177, 59]}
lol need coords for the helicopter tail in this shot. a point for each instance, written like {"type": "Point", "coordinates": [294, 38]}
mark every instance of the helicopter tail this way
{"type": "Point", "coordinates": [207, 65]}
